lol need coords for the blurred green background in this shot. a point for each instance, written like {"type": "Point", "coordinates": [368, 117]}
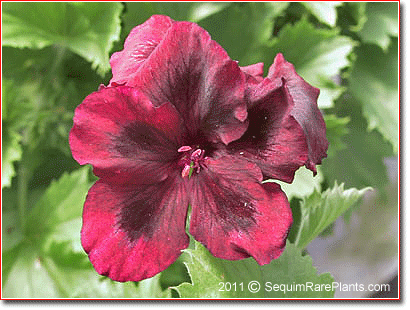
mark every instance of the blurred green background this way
{"type": "Point", "coordinates": [55, 54]}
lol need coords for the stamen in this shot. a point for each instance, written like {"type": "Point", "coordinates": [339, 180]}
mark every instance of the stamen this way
{"type": "Point", "coordinates": [192, 160]}
{"type": "Point", "coordinates": [184, 148]}
{"type": "Point", "coordinates": [186, 171]}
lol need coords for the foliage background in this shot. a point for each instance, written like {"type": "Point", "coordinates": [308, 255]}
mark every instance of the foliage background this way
{"type": "Point", "coordinates": [55, 54]}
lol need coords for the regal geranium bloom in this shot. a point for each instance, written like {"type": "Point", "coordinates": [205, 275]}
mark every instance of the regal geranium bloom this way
{"type": "Point", "coordinates": [181, 124]}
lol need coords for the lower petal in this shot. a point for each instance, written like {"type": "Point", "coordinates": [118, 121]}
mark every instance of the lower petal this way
{"type": "Point", "coordinates": [133, 233]}
{"type": "Point", "coordinates": [234, 215]}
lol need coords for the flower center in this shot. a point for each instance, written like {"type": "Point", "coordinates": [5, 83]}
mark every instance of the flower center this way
{"type": "Point", "coordinates": [191, 160]}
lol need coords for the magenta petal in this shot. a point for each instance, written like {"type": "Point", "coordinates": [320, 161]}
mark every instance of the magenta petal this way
{"type": "Point", "coordinates": [133, 233]}
{"type": "Point", "coordinates": [124, 137]}
{"type": "Point", "coordinates": [138, 46]}
{"type": "Point", "coordinates": [234, 215]}
{"type": "Point", "coordinates": [254, 73]}
{"type": "Point", "coordinates": [274, 140]}
{"type": "Point", "coordinates": [304, 109]}
{"type": "Point", "coordinates": [196, 75]}
{"type": "Point", "coordinates": [286, 129]}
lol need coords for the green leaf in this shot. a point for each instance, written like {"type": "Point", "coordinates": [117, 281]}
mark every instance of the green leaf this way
{"type": "Point", "coordinates": [336, 129]}
{"type": "Point", "coordinates": [62, 202]}
{"type": "Point", "coordinates": [374, 82]}
{"type": "Point", "coordinates": [217, 278]}
{"type": "Point", "coordinates": [304, 183]}
{"type": "Point", "coordinates": [11, 152]}
{"type": "Point", "coordinates": [319, 210]}
{"type": "Point", "coordinates": [12, 117]}
{"type": "Point", "coordinates": [48, 251]}
{"type": "Point", "coordinates": [361, 163]}
{"type": "Point", "coordinates": [190, 11]}
{"type": "Point", "coordinates": [242, 28]}
{"type": "Point", "coordinates": [61, 273]}
{"type": "Point", "coordinates": [352, 16]}
{"type": "Point", "coordinates": [88, 29]}
{"type": "Point", "coordinates": [324, 11]}
{"type": "Point", "coordinates": [382, 23]}
{"type": "Point", "coordinates": [319, 57]}
{"type": "Point", "coordinates": [27, 275]}
{"type": "Point", "coordinates": [10, 230]}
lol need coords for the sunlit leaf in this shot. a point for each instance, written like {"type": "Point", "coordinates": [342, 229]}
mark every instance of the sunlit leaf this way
{"type": "Point", "coordinates": [319, 210]}
{"type": "Point", "coordinates": [88, 29]}
{"type": "Point", "coordinates": [324, 11]}
{"type": "Point", "coordinates": [382, 23]}
{"type": "Point", "coordinates": [243, 27]}
{"type": "Point", "coordinates": [217, 278]}
{"type": "Point", "coordinates": [304, 183]}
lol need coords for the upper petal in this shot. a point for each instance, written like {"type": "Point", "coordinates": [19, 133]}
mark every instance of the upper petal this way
{"type": "Point", "coordinates": [234, 215]}
{"type": "Point", "coordinates": [304, 108]}
{"type": "Point", "coordinates": [138, 46]}
{"type": "Point", "coordinates": [134, 232]}
{"type": "Point", "coordinates": [286, 129]}
{"type": "Point", "coordinates": [196, 75]}
{"type": "Point", "coordinates": [274, 140]}
{"type": "Point", "coordinates": [125, 137]}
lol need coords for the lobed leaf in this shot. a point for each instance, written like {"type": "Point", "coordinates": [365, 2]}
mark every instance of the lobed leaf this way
{"type": "Point", "coordinates": [324, 11]}
{"type": "Point", "coordinates": [374, 82]}
{"type": "Point", "coordinates": [319, 210]}
{"type": "Point", "coordinates": [216, 278]}
{"type": "Point", "coordinates": [87, 29]}
{"type": "Point", "coordinates": [320, 56]}
{"type": "Point", "coordinates": [382, 23]}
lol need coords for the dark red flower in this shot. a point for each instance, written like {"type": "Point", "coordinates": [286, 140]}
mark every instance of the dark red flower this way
{"type": "Point", "coordinates": [182, 124]}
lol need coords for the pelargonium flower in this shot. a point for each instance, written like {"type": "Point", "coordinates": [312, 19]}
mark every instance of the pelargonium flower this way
{"type": "Point", "coordinates": [179, 125]}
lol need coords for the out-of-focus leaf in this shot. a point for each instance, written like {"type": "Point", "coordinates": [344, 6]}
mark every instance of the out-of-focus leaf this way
{"type": "Point", "coordinates": [361, 163]}
{"type": "Point", "coordinates": [217, 278]}
{"type": "Point", "coordinates": [46, 259]}
{"type": "Point", "coordinates": [336, 129]}
{"type": "Point", "coordinates": [382, 23]}
{"type": "Point", "coordinates": [324, 11]}
{"type": "Point", "coordinates": [13, 116]}
{"type": "Point", "coordinates": [11, 152]}
{"type": "Point", "coordinates": [319, 210]}
{"type": "Point", "coordinates": [319, 57]}
{"type": "Point", "coordinates": [28, 277]}
{"type": "Point", "coordinates": [190, 11]}
{"type": "Point", "coordinates": [11, 231]}
{"type": "Point", "coordinates": [304, 183]}
{"type": "Point", "coordinates": [63, 201]}
{"type": "Point", "coordinates": [352, 15]}
{"type": "Point", "coordinates": [137, 12]}
{"type": "Point", "coordinates": [374, 82]}
{"type": "Point", "coordinates": [243, 27]}
{"type": "Point", "coordinates": [88, 29]}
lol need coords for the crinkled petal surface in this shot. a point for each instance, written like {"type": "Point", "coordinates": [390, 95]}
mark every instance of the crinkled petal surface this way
{"type": "Point", "coordinates": [191, 71]}
{"type": "Point", "coordinates": [125, 137]}
{"type": "Point", "coordinates": [304, 109]}
{"type": "Point", "coordinates": [274, 140]}
{"type": "Point", "coordinates": [234, 215]}
{"type": "Point", "coordinates": [134, 232]}
{"type": "Point", "coordinates": [138, 46]}
{"type": "Point", "coordinates": [286, 129]}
